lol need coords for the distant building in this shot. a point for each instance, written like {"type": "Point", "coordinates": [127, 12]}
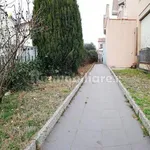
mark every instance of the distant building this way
{"type": "Point", "coordinates": [12, 33]}
{"type": "Point", "coordinates": [7, 32]}
{"type": "Point", "coordinates": [101, 49]}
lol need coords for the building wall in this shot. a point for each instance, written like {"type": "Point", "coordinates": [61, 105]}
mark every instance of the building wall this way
{"type": "Point", "coordinates": [26, 28]}
{"type": "Point", "coordinates": [145, 32]}
{"type": "Point", "coordinates": [7, 32]}
{"type": "Point", "coordinates": [131, 9]}
{"type": "Point", "coordinates": [120, 43]}
{"type": "Point", "coordinates": [101, 48]}
{"type": "Point", "coordinates": [100, 45]}
{"type": "Point", "coordinates": [143, 10]}
{"type": "Point", "coordinates": [104, 54]}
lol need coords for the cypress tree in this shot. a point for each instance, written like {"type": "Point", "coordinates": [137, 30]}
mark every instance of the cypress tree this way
{"type": "Point", "coordinates": [60, 46]}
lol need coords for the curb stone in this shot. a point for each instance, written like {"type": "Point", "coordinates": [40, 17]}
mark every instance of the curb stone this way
{"type": "Point", "coordinates": [136, 108]}
{"type": "Point", "coordinates": [41, 136]}
{"type": "Point", "coordinates": [145, 121]}
{"type": "Point", "coordinates": [32, 145]}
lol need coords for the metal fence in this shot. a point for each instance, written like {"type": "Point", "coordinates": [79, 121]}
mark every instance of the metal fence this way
{"type": "Point", "coordinates": [27, 54]}
{"type": "Point", "coordinates": [144, 56]}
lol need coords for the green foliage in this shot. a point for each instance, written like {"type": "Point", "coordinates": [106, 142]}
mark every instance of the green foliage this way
{"type": "Point", "coordinates": [89, 46]}
{"type": "Point", "coordinates": [8, 107]}
{"type": "Point", "coordinates": [90, 56]}
{"type": "Point", "coordinates": [24, 74]}
{"type": "Point", "coordinates": [60, 46]}
{"type": "Point", "coordinates": [137, 83]}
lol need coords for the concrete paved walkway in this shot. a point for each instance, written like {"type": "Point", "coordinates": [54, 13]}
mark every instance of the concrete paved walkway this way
{"type": "Point", "coordinates": [99, 118]}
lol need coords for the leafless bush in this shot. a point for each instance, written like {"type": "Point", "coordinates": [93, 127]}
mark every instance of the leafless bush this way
{"type": "Point", "coordinates": [15, 30]}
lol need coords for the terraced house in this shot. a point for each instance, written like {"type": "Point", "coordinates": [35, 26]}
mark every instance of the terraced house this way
{"type": "Point", "coordinates": [127, 36]}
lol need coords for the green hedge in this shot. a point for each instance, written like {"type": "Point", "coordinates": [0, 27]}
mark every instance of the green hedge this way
{"type": "Point", "coordinates": [24, 74]}
{"type": "Point", "coordinates": [90, 56]}
{"type": "Point", "coordinates": [60, 45]}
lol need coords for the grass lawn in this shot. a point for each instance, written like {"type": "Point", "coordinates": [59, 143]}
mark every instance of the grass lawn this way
{"type": "Point", "coordinates": [23, 113]}
{"type": "Point", "coordinates": [138, 84]}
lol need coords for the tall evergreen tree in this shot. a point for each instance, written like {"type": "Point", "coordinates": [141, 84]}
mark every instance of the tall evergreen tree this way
{"type": "Point", "coordinates": [60, 47]}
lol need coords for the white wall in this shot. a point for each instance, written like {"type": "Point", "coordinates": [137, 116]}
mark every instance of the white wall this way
{"type": "Point", "coordinates": [7, 31]}
{"type": "Point", "coordinates": [145, 32]}
{"type": "Point", "coordinates": [26, 28]}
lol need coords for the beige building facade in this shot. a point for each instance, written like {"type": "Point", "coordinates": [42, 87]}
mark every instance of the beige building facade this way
{"type": "Point", "coordinates": [127, 35]}
{"type": "Point", "coordinates": [121, 35]}
{"type": "Point", "coordinates": [121, 46]}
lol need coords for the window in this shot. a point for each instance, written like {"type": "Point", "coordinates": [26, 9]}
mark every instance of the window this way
{"type": "Point", "coordinates": [101, 46]}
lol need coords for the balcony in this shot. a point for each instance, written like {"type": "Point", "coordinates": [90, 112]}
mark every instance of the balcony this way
{"type": "Point", "coordinates": [121, 2]}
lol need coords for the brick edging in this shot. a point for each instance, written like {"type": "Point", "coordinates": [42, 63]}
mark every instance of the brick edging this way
{"type": "Point", "coordinates": [41, 136]}
{"type": "Point", "coordinates": [136, 108]}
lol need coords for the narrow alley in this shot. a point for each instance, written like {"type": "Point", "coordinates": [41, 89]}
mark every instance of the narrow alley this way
{"type": "Point", "coordinates": [99, 118]}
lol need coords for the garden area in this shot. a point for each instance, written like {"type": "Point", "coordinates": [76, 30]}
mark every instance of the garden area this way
{"type": "Point", "coordinates": [32, 89]}
{"type": "Point", "coordinates": [23, 113]}
{"type": "Point", "coordinates": [137, 83]}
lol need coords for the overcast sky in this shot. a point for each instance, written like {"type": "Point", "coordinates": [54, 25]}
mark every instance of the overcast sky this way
{"type": "Point", "coordinates": [92, 12]}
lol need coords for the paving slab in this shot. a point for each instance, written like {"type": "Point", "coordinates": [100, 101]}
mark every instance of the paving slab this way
{"type": "Point", "coordinates": [98, 118]}
{"type": "Point", "coordinates": [125, 147]}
